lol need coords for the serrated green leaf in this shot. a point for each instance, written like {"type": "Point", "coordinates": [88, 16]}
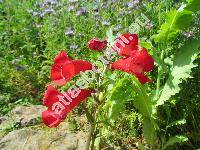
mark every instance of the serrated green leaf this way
{"type": "Point", "coordinates": [149, 131]}
{"type": "Point", "coordinates": [175, 22]}
{"type": "Point", "coordinates": [181, 69]}
{"type": "Point", "coordinates": [142, 101]}
{"type": "Point", "coordinates": [120, 94]}
{"type": "Point", "coordinates": [193, 5]}
{"type": "Point", "coordinates": [174, 140]}
{"type": "Point", "coordinates": [176, 123]}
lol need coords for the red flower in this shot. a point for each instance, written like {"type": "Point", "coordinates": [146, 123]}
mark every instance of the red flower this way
{"type": "Point", "coordinates": [124, 40]}
{"type": "Point", "coordinates": [59, 104]}
{"type": "Point", "coordinates": [138, 63]}
{"type": "Point", "coordinates": [96, 44]}
{"type": "Point", "coordinates": [64, 69]}
{"type": "Point", "coordinates": [128, 50]}
{"type": "Point", "coordinates": [50, 118]}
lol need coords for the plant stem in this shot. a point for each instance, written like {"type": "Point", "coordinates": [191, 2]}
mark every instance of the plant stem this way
{"type": "Point", "coordinates": [90, 137]}
{"type": "Point", "coordinates": [91, 119]}
{"type": "Point", "coordinates": [159, 76]}
{"type": "Point", "coordinates": [88, 115]}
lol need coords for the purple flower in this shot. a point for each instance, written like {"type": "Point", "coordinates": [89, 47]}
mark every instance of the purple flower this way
{"type": "Point", "coordinates": [51, 2]}
{"type": "Point", "coordinates": [48, 11]}
{"type": "Point", "coordinates": [73, 46]}
{"type": "Point", "coordinates": [39, 4]}
{"type": "Point", "coordinates": [71, 8]}
{"type": "Point", "coordinates": [81, 11]}
{"type": "Point", "coordinates": [106, 23]}
{"type": "Point", "coordinates": [130, 4]}
{"type": "Point", "coordinates": [112, 1]}
{"type": "Point", "coordinates": [104, 5]}
{"type": "Point", "coordinates": [128, 12]}
{"type": "Point", "coordinates": [41, 15]}
{"type": "Point", "coordinates": [69, 31]}
{"type": "Point", "coordinates": [20, 68]}
{"type": "Point", "coordinates": [117, 28]}
{"type": "Point", "coordinates": [188, 34]}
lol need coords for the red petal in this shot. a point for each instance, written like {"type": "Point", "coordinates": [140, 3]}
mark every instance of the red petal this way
{"type": "Point", "coordinates": [68, 71]}
{"type": "Point", "coordinates": [81, 96]}
{"type": "Point", "coordinates": [50, 96]}
{"type": "Point", "coordinates": [62, 102]}
{"type": "Point", "coordinates": [61, 58]}
{"type": "Point", "coordinates": [81, 65]}
{"type": "Point", "coordinates": [56, 75]}
{"type": "Point", "coordinates": [132, 38]}
{"type": "Point", "coordinates": [65, 69]}
{"type": "Point", "coordinates": [56, 71]}
{"type": "Point", "coordinates": [127, 39]}
{"type": "Point", "coordinates": [128, 50]}
{"type": "Point", "coordinates": [74, 68]}
{"type": "Point", "coordinates": [142, 58]}
{"type": "Point", "coordinates": [127, 65]}
{"type": "Point", "coordinates": [96, 44]}
{"type": "Point", "coordinates": [51, 119]}
{"type": "Point", "coordinates": [142, 78]}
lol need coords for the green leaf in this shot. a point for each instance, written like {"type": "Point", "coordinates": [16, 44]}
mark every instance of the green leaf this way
{"type": "Point", "coordinates": [175, 22]}
{"type": "Point", "coordinates": [110, 37]}
{"type": "Point", "coordinates": [142, 101]}
{"type": "Point", "coordinates": [120, 94]}
{"type": "Point", "coordinates": [174, 140]}
{"type": "Point", "coordinates": [159, 62]}
{"type": "Point", "coordinates": [193, 5]}
{"type": "Point", "coordinates": [176, 123]}
{"type": "Point", "coordinates": [141, 146]}
{"type": "Point", "coordinates": [181, 69]}
{"type": "Point", "coordinates": [149, 131]}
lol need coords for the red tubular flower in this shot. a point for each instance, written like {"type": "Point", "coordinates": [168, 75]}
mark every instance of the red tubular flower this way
{"type": "Point", "coordinates": [138, 63]}
{"type": "Point", "coordinates": [130, 40]}
{"type": "Point", "coordinates": [128, 50]}
{"type": "Point", "coordinates": [60, 104]}
{"type": "Point", "coordinates": [50, 118]}
{"type": "Point", "coordinates": [61, 58]}
{"type": "Point", "coordinates": [96, 44]}
{"type": "Point", "coordinates": [64, 69]}
{"type": "Point", "coordinates": [144, 59]}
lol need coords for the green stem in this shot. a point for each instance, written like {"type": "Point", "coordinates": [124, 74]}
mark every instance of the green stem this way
{"type": "Point", "coordinates": [91, 119]}
{"type": "Point", "coordinates": [159, 76]}
{"type": "Point", "coordinates": [90, 137]}
{"type": "Point", "coordinates": [93, 137]}
{"type": "Point", "coordinates": [88, 115]}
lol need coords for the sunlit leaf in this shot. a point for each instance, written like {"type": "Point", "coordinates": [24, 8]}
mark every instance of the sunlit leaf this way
{"type": "Point", "coordinates": [181, 69]}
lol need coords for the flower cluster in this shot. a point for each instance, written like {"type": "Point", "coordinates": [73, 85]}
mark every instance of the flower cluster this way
{"type": "Point", "coordinates": [135, 59]}
{"type": "Point", "coordinates": [59, 104]}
